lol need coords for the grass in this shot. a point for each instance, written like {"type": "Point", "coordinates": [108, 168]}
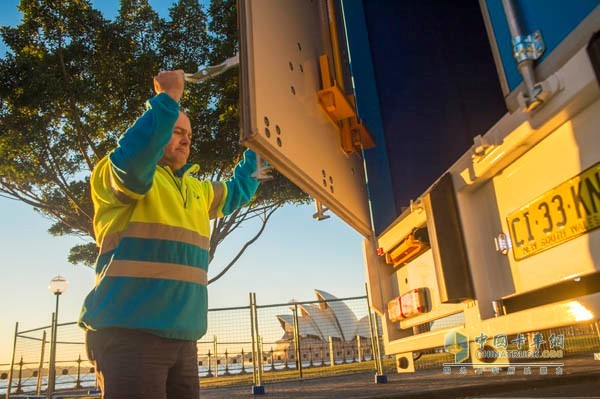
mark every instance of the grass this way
{"type": "Point", "coordinates": [279, 375]}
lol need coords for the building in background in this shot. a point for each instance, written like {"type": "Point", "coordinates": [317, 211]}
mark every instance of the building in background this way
{"type": "Point", "coordinates": [330, 319]}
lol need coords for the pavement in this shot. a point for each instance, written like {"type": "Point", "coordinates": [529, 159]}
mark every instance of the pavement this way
{"type": "Point", "coordinates": [578, 377]}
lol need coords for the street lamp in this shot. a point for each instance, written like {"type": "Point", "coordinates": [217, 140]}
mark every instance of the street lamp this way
{"type": "Point", "coordinates": [57, 286]}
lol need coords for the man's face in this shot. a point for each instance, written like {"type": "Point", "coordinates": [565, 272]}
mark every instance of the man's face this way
{"type": "Point", "coordinates": [177, 150]}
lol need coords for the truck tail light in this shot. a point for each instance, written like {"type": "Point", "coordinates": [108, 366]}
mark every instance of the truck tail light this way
{"type": "Point", "coordinates": [410, 304]}
{"type": "Point", "coordinates": [395, 310]}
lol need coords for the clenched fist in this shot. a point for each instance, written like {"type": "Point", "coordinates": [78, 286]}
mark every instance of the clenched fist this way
{"type": "Point", "coordinates": [170, 82]}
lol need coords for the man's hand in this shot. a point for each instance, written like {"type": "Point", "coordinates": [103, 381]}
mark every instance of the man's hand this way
{"type": "Point", "coordinates": [170, 82]}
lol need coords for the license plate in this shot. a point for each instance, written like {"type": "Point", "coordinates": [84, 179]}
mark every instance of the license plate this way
{"type": "Point", "coordinates": [561, 214]}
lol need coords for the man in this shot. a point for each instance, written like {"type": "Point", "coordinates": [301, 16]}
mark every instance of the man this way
{"type": "Point", "coordinates": [149, 303]}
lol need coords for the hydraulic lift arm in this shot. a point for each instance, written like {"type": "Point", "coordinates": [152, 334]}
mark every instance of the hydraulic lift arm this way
{"type": "Point", "coordinates": [209, 72]}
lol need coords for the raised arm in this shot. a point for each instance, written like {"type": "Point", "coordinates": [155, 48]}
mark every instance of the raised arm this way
{"type": "Point", "coordinates": [236, 192]}
{"type": "Point", "coordinates": [140, 148]}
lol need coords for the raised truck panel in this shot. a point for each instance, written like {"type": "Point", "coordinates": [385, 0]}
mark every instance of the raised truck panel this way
{"type": "Point", "coordinates": [281, 43]}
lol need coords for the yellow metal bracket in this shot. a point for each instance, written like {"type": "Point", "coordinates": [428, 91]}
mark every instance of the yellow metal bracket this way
{"type": "Point", "coordinates": [354, 135]}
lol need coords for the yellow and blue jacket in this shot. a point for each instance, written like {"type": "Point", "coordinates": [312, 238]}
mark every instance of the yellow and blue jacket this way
{"type": "Point", "coordinates": [153, 229]}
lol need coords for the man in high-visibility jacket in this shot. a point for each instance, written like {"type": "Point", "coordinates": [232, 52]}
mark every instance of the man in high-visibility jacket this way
{"type": "Point", "coordinates": [148, 306]}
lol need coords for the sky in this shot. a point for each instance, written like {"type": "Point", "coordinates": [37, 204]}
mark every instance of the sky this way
{"type": "Point", "coordinates": [295, 255]}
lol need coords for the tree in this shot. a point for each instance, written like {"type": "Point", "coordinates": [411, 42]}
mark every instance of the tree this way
{"type": "Point", "coordinates": [72, 83]}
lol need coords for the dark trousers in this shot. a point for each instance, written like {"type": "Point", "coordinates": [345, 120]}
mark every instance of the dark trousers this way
{"type": "Point", "coordinates": [134, 364]}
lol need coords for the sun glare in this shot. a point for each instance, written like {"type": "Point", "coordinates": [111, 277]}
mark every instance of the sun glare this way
{"type": "Point", "coordinates": [580, 312]}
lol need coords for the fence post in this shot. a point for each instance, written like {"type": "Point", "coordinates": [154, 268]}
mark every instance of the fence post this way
{"type": "Point", "coordinates": [331, 353]}
{"type": "Point", "coordinates": [254, 377]}
{"type": "Point", "coordinates": [52, 361]}
{"type": "Point", "coordinates": [285, 354]}
{"type": "Point", "coordinates": [226, 362]}
{"type": "Point", "coordinates": [378, 342]}
{"type": "Point", "coordinates": [297, 341]}
{"type": "Point", "coordinates": [96, 384]}
{"type": "Point", "coordinates": [371, 332]}
{"type": "Point", "coordinates": [216, 356]}
{"type": "Point", "coordinates": [261, 355]}
{"type": "Point", "coordinates": [243, 371]}
{"type": "Point", "coordinates": [379, 377]}
{"type": "Point", "coordinates": [12, 362]}
{"type": "Point", "coordinates": [20, 383]}
{"type": "Point", "coordinates": [258, 388]}
{"type": "Point", "coordinates": [359, 349]}
{"type": "Point", "coordinates": [41, 366]}
{"type": "Point", "coordinates": [209, 371]}
{"type": "Point", "coordinates": [78, 381]}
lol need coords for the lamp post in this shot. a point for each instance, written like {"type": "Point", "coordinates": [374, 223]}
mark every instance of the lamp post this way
{"type": "Point", "coordinates": [57, 286]}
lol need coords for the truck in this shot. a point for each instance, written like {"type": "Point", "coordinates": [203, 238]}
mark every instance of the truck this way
{"type": "Point", "coordinates": [461, 139]}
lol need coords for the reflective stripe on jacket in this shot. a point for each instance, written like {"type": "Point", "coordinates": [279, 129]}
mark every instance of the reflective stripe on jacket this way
{"type": "Point", "coordinates": [153, 230]}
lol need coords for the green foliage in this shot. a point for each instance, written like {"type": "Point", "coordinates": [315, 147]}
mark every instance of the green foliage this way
{"type": "Point", "coordinates": [84, 254]}
{"type": "Point", "coordinates": [73, 81]}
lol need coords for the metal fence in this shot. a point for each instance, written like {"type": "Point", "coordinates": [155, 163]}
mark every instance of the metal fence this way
{"type": "Point", "coordinates": [256, 344]}
{"type": "Point", "coordinates": [30, 368]}
{"type": "Point", "coordinates": [247, 345]}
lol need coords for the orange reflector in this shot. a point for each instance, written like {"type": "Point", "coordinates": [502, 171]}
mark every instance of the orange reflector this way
{"type": "Point", "coordinates": [412, 246]}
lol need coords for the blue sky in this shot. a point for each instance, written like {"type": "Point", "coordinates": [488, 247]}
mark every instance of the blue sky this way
{"type": "Point", "coordinates": [295, 254]}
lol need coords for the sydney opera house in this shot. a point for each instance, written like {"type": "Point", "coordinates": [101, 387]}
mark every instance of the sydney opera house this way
{"type": "Point", "coordinates": [317, 322]}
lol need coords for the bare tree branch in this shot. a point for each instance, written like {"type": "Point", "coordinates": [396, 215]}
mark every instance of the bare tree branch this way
{"type": "Point", "coordinates": [58, 178]}
{"type": "Point", "coordinates": [267, 215]}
